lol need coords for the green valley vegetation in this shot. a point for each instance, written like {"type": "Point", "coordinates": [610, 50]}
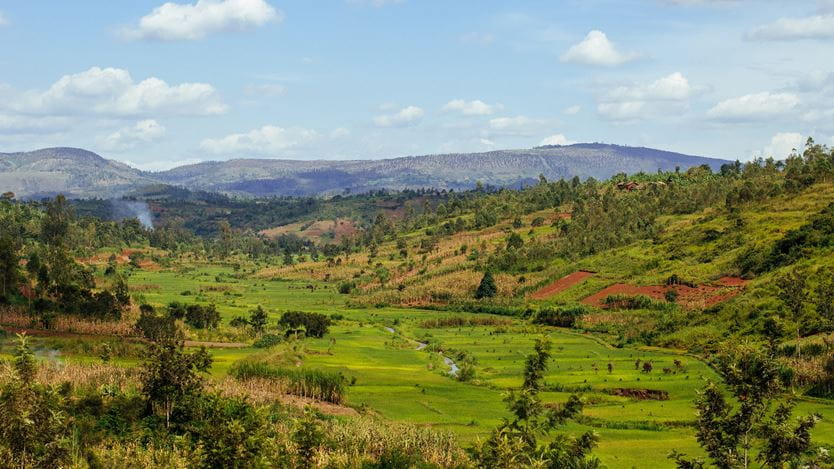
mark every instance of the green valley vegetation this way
{"type": "Point", "coordinates": [675, 318]}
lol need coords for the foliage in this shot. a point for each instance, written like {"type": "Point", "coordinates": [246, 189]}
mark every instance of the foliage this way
{"type": "Point", "coordinates": [730, 433]}
{"type": "Point", "coordinates": [515, 442]}
{"type": "Point", "coordinates": [487, 288]}
{"type": "Point", "coordinates": [311, 324]}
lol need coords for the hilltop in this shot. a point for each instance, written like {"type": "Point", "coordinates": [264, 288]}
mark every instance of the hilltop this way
{"type": "Point", "coordinates": [82, 174]}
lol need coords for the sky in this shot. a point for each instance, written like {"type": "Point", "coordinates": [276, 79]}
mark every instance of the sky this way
{"type": "Point", "coordinates": [159, 84]}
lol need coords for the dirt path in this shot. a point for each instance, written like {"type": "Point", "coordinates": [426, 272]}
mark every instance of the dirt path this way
{"type": "Point", "coordinates": [562, 284]}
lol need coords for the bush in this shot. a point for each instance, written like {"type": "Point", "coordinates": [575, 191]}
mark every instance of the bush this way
{"type": "Point", "coordinates": [313, 324]}
{"type": "Point", "coordinates": [268, 340]}
{"type": "Point", "coordinates": [561, 317]}
{"type": "Point", "coordinates": [346, 287]}
{"type": "Point", "coordinates": [202, 317]}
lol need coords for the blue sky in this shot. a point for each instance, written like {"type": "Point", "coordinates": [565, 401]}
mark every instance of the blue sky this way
{"type": "Point", "coordinates": [158, 84]}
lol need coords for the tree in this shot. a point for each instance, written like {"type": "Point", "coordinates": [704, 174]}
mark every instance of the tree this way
{"type": "Point", "coordinates": [487, 288]}
{"type": "Point", "coordinates": [515, 442]}
{"type": "Point", "coordinates": [258, 319]}
{"type": "Point", "coordinates": [824, 295]}
{"type": "Point", "coordinates": [202, 317]}
{"type": "Point", "coordinates": [9, 262]}
{"type": "Point", "coordinates": [35, 430]}
{"type": "Point", "coordinates": [728, 433]}
{"type": "Point", "coordinates": [169, 375]}
{"type": "Point", "coordinates": [793, 295]}
{"type": "Point", "coordinates": [313, 324]}
{"type": "Point", "coordinates": [514, 241]}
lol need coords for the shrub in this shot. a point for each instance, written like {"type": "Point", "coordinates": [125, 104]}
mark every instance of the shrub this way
{"type": "Point", "coordinates": [561, 317]}
{"type": "Point", "coordinates": [268, 340]}
{"type": "Point", "coordinates": [313, 324]}
{"type": "Point", "coordinates": [202, 317]}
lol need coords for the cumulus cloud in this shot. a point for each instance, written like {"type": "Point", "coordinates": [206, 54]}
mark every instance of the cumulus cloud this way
{"type": "Point", "coordinates": [521, 126]}
{"type": "Point", "coordinates": [812, 27]}
{"type": "Point", "coordinates": [669, 94]}
{"type": "Point", "coordinates": [162, 165]}
{"type": "Point", "coordinates": [192, 21]}
{"type": "Point", "coordinates": [264, 141]}
{"type": "Point", "coordinates": [573, 110]}
{"type": "Point", "coordinates": [411, 115]}
{"type": "Point", "coordinates": [557, 139]}
{"type": "Point", "coordinates": [783, 144]}
{"type": "Point", "coordinates": [144, 131]}
{"type": "Point", "coordinates": [597, 49]}
{"type": "Point", "coordinates": [469, 108]}
{"type": "Point", "coordinates": [30, 125]}
{"type": "Point", "coordinates": [754, 106]}
{"type": "Point", "coordinates": [113, 92]}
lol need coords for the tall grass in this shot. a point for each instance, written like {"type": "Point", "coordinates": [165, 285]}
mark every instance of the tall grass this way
{"type": "Point", "coordinates": [313, 384]}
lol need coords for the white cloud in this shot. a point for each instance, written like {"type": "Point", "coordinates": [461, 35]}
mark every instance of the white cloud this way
{"type": "Point", "coordinates": [669, 94]}
{"type": "Point", "coordinates": [3, 20]}
{"type": "Point", "coordinates": [754, 106]}
{"type": "Point", "coordinates": [25, 125]}
{"type": "Point", "coordinates": [557, 139]}
{"type": "Point", "coordinates": [573, 110]}
{"type": "Point", "coordinates": [782, 145]}
{"type": "Point", "coordinates": [174, 21]}
{"type": "Point", "coordinates": [144, 131]}
{"type": "Point", "coordinates": [265, 141]}
{"type": "Point", "coordinates": [406, 117]}
{"type": "Point", "coordinates": [340, 132]}
{"type": "Point", "coordinates": [811, 27]}
{"type": "Point", "coordinates": [596, 49]}
{"type": "Point", "coordinates": [469, 108]}
{"type": "Point", "coordinates": [521, 126]}
{"type": "Point", "coordinates": [112, 92]}
{"type": "Point", "coordinates": [272, 90]}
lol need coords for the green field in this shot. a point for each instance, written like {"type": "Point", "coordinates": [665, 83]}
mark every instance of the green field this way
{"type": "Point", "coordinates": [396, 381]}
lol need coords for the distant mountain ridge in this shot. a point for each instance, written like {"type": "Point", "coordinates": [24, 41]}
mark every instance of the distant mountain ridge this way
{"type": "Point", "coordinates": [83, 174]}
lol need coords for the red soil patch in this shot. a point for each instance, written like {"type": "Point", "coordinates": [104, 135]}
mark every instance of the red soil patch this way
{"type": "Point", "coordinates": [732, 282]}
{"type": "Point", "coordinates": [701, 296]}
{"type": "Point", "coordinates": [562, 284]}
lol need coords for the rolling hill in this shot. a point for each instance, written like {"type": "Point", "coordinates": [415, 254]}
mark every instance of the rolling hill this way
{"type": "Point", "coordinates": [81, 173]}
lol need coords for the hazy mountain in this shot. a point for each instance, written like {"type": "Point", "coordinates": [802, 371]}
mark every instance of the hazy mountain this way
{"type": "Point", "coordinates": [70, 171]}
{"type": "Point", "coordinates": [458, 171]}
{"type": "Point", "coordinates": [85, 174]}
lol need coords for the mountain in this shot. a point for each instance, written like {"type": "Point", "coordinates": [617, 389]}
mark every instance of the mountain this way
{"type": "Point", "coordinates": [448, 171]}
{"type": "Point", "coordinates": [70, 171]}
{"type": "Point", "coordinates": [81, 173]}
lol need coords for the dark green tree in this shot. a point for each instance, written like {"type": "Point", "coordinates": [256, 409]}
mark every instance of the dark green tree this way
{"type": "Point", "coordinates": [258, 319]}
{"type": "Point", "coordinates": [730, 433]}
{"type": "Point", "coordinates": [170, 376]}
{"type": "Point", "coordinates": [487, 287]}
{"type": "Point", "coordinates": [515, 443]}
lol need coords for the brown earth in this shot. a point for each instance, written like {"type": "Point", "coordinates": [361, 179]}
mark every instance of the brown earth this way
{"type": "Point", "coordinates": [640, 394]}
{"type": "Point", "coordinates": [561, 285]}
{"type": "Point", "coordinates": [701, 296]}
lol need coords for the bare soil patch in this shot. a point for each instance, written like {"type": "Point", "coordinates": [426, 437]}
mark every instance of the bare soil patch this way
{"type": "Point", "coordinates": [700, 296]}
{"type": "Point", "coordinates": [561, 285]}
{"type": "Point", "coordinates": [640, 394]}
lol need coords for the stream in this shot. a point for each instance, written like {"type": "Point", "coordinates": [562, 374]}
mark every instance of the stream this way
{"type": "Point", "coordinates": [453, 367]}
